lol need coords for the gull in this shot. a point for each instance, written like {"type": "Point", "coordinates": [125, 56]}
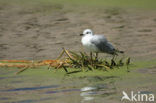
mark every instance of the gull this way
{"type": "Point", "coordinates": [97, 43]}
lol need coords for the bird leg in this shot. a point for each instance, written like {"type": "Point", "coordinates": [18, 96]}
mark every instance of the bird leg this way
{"type": "Point", "coordinates": [91, 57]}
{"type": "Point", "coordinates": [96, 56]}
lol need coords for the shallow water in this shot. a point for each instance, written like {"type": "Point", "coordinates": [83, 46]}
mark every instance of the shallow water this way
{"type": "Point", "coordinates": [31, 89]}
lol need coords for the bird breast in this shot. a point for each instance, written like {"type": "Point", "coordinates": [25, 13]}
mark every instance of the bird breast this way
{"type": "Point", "coordinates": [86, 42]}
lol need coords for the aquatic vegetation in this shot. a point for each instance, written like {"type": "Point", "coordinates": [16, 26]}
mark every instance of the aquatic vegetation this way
{"type": "Point", "coordinates": [72, 60]}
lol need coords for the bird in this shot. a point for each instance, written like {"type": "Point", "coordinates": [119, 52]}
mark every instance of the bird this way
{"type": "Point", "coordinates": [97, 43]}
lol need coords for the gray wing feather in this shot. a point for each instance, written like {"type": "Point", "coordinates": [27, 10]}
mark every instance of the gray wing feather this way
{"type": "Point", "coordinates": [103, 45]}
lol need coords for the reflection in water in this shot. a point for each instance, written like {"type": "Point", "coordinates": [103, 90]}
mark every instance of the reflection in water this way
{"type": "Point", "coordinates": [88, 98]}
{"type": "Point", "coordinates": [87, 89]}
{"type": "Point", "coordinates": [89, 93]}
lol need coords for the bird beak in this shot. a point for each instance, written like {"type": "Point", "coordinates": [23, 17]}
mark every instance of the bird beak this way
{"type": "Point", "coordinates": [81, 34]}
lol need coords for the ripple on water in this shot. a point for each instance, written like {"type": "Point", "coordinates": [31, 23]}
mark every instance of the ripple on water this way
{"type": "Point", "coordinates": [34, 101]}
{"type": "Point", "coordinates": [61, 91]}
{"type": "Point", "coordinates": [31, 88]}
{"type": "Point", "coordinates": [4, 98]}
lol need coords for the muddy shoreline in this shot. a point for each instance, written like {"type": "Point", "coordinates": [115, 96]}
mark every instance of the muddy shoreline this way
{"type": "Point", "coordinates": [37, 33]}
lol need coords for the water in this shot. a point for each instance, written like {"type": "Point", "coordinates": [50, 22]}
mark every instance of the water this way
{"type": "Point", "coordinates": [31, 88]}
{"type": "Point", "coordinates": [34, 89]}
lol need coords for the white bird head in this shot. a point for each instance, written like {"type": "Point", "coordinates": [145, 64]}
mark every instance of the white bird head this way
{"type": "Point", "coordinates": [87, 32]}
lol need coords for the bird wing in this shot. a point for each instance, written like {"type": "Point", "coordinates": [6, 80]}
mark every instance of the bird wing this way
{"type": "Point", "coordinates": [103, 45]}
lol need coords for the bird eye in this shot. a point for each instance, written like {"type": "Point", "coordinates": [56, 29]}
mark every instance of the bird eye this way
{"type": "Point", "coordinates": [88, 32]}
